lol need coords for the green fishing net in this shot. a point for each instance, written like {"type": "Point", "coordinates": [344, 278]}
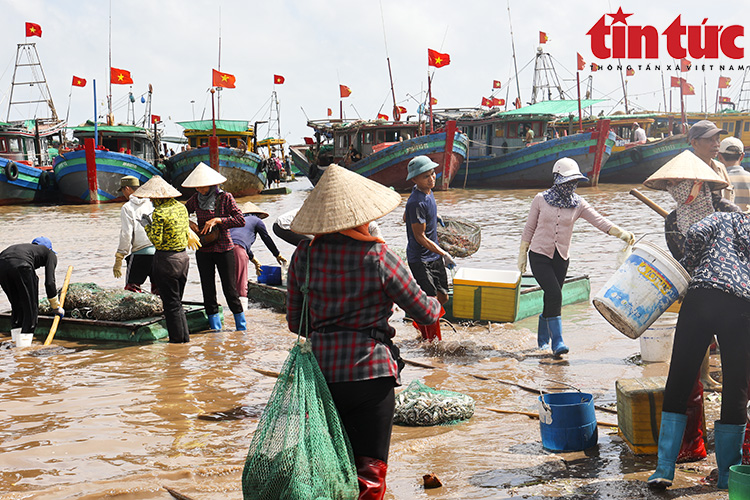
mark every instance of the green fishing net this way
{"type": "Point", "coordinates": [299, 450]}
{"type": "Point", "coordinates": [90, 301]}
{"type": "Point", "coordinates": [421, 405]}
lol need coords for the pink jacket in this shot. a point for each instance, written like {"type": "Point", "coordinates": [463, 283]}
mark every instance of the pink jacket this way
{"type": "Point", "coordinates": [549, 228]}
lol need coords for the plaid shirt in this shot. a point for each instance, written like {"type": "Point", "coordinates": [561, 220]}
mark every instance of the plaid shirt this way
{"type": "Point", "coordinates": [353, 286]}
{"type": "Point", "coordinates": [169, 225]}
{"type": "Point", "coordinates": [226, 209]}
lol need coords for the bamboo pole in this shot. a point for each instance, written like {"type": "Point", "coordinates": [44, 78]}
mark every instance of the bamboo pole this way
{"type": "Point", "coordinates": [56, 321]}
{"type": "Point", "coordinates": [650, 203]}
{"type": "Point", "coordinates": [536, 415]}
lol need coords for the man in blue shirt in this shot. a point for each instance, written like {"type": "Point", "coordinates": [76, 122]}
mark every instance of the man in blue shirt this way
{"type": "Point", "coordinates": [426, 259]}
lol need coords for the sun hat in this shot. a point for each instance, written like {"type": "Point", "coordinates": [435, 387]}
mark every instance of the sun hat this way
{"type": "Point", "coordinates": [731, 145]}
{"type": "Point", "coordinates": [156, 187]}
{"type": "Point", "coordinates": [252, 208]}
{"type": "Point", "coordinates": [419, 165]}
{"type": "Point", "coordinates": [43, 241]}
{"type": "Point", "coordinates": [203, 176]}
{"type": "Point", "coordinates": [343, 199]}
{"type": "Point", "coordinates": [704, 128]}
{"type": "Point", "coordinates": [685, 166]}
{"type": "Point", "coordinates": [568, 170]}
{"type": "Point", "coordinates": [129, 181]}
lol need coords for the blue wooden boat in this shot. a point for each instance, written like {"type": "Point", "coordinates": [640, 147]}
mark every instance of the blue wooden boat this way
{"type": "Point", "coordinates": [634, 163]}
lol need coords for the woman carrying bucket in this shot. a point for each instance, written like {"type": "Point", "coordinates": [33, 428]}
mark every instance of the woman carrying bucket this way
{"type": "Point", "coordinates": [546, 239]}
{"type": "Point", "coordinates": [717, 250]}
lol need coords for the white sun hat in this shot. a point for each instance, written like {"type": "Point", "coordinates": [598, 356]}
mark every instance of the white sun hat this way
{"type": "Point", "coordinates": [156, 187]}
{"type": "Point", "coordinates": [203, 176]}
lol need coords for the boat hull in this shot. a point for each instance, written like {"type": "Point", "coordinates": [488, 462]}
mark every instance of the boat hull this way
{"type": "Point", "coordinates": [532, 166]}
{"type": "Point", "coordinates": [240, 167]}
{"type": "Point", "coordinates": [71, 175]}
{"type": "Point", "coordinates": [25, 185]}
{"type": "Point", "coordinates": [635, 164]}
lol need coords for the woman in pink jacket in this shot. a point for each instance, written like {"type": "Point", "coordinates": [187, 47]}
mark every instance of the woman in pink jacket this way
{"type": "Point", "coordinates": [546, 240]}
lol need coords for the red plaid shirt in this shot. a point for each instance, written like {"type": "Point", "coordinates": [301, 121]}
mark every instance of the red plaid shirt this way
{"type": "Point", "coordinates": [353, 286]}
{"type": "Point", "coordinates": [226, 209]}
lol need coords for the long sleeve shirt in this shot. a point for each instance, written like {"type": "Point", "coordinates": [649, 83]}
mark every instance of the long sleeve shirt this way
{"type": "Point", "coordinates": [34, 256]}
{"type": "Point", "coordinates": [550, 228]}
{"type": "Point", "coordinates": [245, 235]}
{"type": "Point", "coordinates": [717, 253]}
{"type": "Point", "coordinates": [169, 226]}
{"type": "Point", "coordinates": [353, 286]}
{"type": "Point", "coordinates": [133, 237]}
{"type": "Point", "coordinates": [227, 210]}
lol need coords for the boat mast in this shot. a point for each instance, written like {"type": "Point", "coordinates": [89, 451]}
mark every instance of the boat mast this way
{"type": "Point", "coordinates": [29, 50]}
{"type": "Point", "coordinates": [513, 47]}
{"type": "Point", "coordinates": [219, 89]}
{"type": "Point", "coordinates": [396, 112]}
{"type": "Point", "coordinates": [545, 78]}
{"type": "Point", "coordinates": [110, 114]}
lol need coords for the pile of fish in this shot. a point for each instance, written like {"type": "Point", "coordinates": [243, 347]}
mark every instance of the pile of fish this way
{"type": "Point", "coordinates": [90, 301]}
{"type": "Point", "coordinates": [459, 237]}
{"type": "Point", "coordinates": [421, 405]}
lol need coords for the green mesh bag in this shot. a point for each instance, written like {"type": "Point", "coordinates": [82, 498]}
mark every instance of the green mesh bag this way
{"type": "Point", "coordinates": [300, 450]}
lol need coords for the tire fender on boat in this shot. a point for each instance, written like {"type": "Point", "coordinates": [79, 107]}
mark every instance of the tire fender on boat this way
{"type": "Point", "coordinates": [44, 179]}
{"type": "Point", "coordinates": [11, 171]}
{"type": "Point", "coordinates": [636, 155]}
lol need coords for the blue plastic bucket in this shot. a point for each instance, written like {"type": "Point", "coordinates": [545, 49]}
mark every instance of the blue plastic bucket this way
{"type": "Point", "coordinates": [644, 286]}
{"type": "Point", "coordinates": [270, 275]}
{"type": "Point", "coordinates": [567, 421]}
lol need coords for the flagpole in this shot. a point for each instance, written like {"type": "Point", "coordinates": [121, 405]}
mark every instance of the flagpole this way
{"type": "Point", "coordinates": [110, 114]}
{"type": "Point", "coordinates": [513, 47]}
{"type": "Point", "coordinates": [96, 121]}
{"type": "Point", "coordinates": [429, 96]}
{"type": "Point", "coordinates": [683, 127]}
{"type": "Point", "coordinates": [624, 89]}
{"type": "Point", "coordinates": [580, 115]}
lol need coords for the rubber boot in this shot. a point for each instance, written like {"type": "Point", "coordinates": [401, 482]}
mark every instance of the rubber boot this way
{"type": "Point", "coordinates": [542, 334]}
{"type": "Point", "coordinates": [14, 333]}
{"type": "Point", "coordinates": [214, 321]}
{"type": "Point", "coordinates": [240, 324]}
{"type": "Point", "coordinates": [243, 301]}
{"type": "Point", "coordinates": [670, 439]}
{"type": "Point", "coordinates": [421, 328]}
{"type": "Point", "coordinates": [746, 446]}
{"type": "Point", "coordinates": [371, 477]}
{"type": "Point", "coordinates": [693, 447]}
{"type": "Point", "coordinates": [728, 440]}
{"type": "Point", "coordinates": [554, 325]}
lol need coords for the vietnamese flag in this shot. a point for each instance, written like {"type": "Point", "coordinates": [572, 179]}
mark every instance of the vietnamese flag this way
{"type": "Point", "coordinates": [79, 82]}
{"type": "Point", "coordinates": [630, 72]}
{"type": "Point", "coordinates": [685, 64]}
{"type": "Point", "coordinates": [382, 117]}
{"type": "Point", "coordinates": [33, 29]}
{"type": "Point", "coordinates": [497, 102]}
{"type": "Point", "coordinates": [675, 82]}
{"type": "Point", "coordinates": [486, 102]}
{"type": "Point", "coordinates": [224, 80]}
{"type": "Point", "coordinates": [344, 91]}
{"type": "Point", "coordinates": [120, 76]}
{"type": "Point", "coordinates": [725, 100]}
{"type": "Point", "coordinates": [330, 111]}
{"type": "Point", "coordinates": [581, 62]}
{"type": "Point", "coordinates": [433, 101]}
{"type": "Point", "coordinates": [155, 119]}
{"type": "Point", "coordinates": [517, 103]}
{"type": "Point", "coordinates": [435, 58]}
{"type": "Point", "coordinates": [496, 84]}
{"type": "Point", "coordinates": [687, 89]}
{"type": "Point", "coordinates": [543, 37]}
{"type": "Point", "coordinates": [278, 79]}
{"type": "Point", "coordinates": [401, 109]}
{"type": "Point", "coordinates": [724, 82]}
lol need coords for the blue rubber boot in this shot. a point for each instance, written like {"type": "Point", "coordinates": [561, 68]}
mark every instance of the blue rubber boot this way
{"type": "Point", "coordinates": [554, 326]}
{"type": "Point", "coordinates": [214, 321]}
{"type": "Point", "coordinates": [670, 440]}
{"type": "Point", "coordinates": [240, 324]}
{"type": "Point", "coordinates": [542, 334]}
{"type": "Point", "coordinates": [728, 439]}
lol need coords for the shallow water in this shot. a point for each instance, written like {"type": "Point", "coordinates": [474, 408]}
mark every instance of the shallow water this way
{"type": "Point", "coordinates": [126, 421]}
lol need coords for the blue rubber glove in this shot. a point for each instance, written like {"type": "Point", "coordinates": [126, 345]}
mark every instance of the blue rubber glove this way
{"type": "Point", "coordinates": [60, 312]}
{"type": "Point", "coordinates": [440, 221]}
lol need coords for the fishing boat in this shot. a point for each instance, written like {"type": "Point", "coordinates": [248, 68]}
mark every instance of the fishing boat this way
{"type": "Point", "coordinates": [237, 160]}
{"type": "Point", "coordinates": [132, 331]}
{"type": "Point", "coordinates": [575, 289]}
{"type": "Point", "coordinates": [380, 150]}
{"type": "Point", "coordinates": [499, 157]}
{"type": "Point", "coordinates": [634, 163]}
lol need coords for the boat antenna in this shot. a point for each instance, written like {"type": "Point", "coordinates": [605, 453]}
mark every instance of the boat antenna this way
{"type": "Point", "coordinates": [513, 48]}
{"type": "Point", "coordinates": [624, 88]}
{"type": "Point", "coordinates": [396, 112]}
{"type": "Point", "coordinates": [110, 115]}
{"type": "Point", "coordinates": [218, 98]}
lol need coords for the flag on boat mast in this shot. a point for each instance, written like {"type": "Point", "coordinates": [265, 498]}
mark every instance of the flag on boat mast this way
{"type": "Point", "coordinates": [382, 117]}
{"type": "Point", "coordinates": [344, 91]}
{"type": "Point", "coordinates": [436, 59]}
{"type": "Point", "coordinates": [224, 80]}
{"type": "Point", "coordinates": [725, 100]}
{"type": "Point", "coordinates": [496, 84]}
{"type": "Point", "coordinates": [685, 64]}
{"type": "Point", "coordinates": [79, 82]}
{"type": "Point", "coordinates": [120, 76]}
{"type": "Point", "coordinates": [155, 119]}
{"type": "Point", "coordinates": [33, 29]}
{"type": "Point", "coordinates": [278, 79]}
{"type": "Point", "coordinates": [581, 62]}
{"type": "Point", "coordinates": [675, 81]}
{"type": "Point", "coordinates": [630, 72]}
{"type": "Point", "coordinates": [543, 38]}
{"type": "Point", "coordinates": [724, 82]}
{"type": "Point", "coordinates": [687, 89]}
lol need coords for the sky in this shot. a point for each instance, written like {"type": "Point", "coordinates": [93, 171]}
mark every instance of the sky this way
{"type": "Point", "coordinates": [317, 45]}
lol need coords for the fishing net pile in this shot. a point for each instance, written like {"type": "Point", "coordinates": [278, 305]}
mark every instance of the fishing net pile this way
{"type": "Point", "coordinates": [299, 449]}
{"type": "Point", "coordinates": [459, 237]}
{"type": "Point", "coordinates": [421, 405]}
{"type": "Point", "coordinates": [90, 301]}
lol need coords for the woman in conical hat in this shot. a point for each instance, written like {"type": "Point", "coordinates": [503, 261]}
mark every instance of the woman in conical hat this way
{"type": "Point", "coordinates": [354, 280]}
{"type": "Point", "coordinates": [217, 211]}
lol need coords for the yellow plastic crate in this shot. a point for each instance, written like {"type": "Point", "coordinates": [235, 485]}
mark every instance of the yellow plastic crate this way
{"type": "Point", "coordinates": [486, 294]}
{"type": "Point", "coordinates": [639, 402]}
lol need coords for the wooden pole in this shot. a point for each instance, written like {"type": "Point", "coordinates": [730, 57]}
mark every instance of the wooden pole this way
{"type": "Point", "coordinates": [56, 321]}
{"type": "Point", "coordinates": [536, 415]}
{"type": "Point", "coordinates": [650, 203]}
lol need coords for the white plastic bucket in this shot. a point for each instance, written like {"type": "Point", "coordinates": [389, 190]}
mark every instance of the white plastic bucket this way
{"type": "Point", "coordinates": [656, 344]}
{"type": "Point", "coordinates": [644, 286]}
{"type": "Point", "coordinates": [24, 339]}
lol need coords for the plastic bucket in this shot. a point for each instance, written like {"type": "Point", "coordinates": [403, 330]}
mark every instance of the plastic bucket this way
{"type": "Point", "coordinates": [739, 482]}
{"type": "Point", "coordinates": [24, 339]}
{"type": "Point", "coordinates": [656, 344]}
{"type": "Point", "coordinates": [567, 421]}
{"type": "Point", "coordinates": [270, 275]}
{"type": "Point", "coordinates": [644, 286]}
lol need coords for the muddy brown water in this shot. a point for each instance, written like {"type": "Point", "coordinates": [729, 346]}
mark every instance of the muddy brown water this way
{"type": "Point", "coordinates": [126, 421]}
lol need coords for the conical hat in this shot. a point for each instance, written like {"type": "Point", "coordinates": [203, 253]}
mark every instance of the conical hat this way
{"type": "Point", "coordinates": [685, 166]}
{"type": "Point", "coordinates": [252, 208]}
{"type": "Point", "coordinates": [202, 176]}
{"type": "Point", "coordinates": [156, 187]}
{"type": "Point", "coordinates": [341, 200]}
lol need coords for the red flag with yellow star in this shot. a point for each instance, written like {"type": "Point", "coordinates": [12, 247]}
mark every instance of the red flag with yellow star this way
{"type": "Point", "coordinates": [382, 117]}
{"type": "Point", "coordinates": [685, 64]}
{"type": "Point", "coordinates": [33, 29]}
{"type": "Point", "coordinates": [486, 102]}
{"type": "Point", "coordinates": [496, 84]}
{"type": "Point", "coordinates": [687, 89]}
{"type": "Point", "coordinates": [278, 79]}
{"type": "Point", "coordinates": [630, 72]}
{"type": "Point", "coordinates": [581, 62]}
{"type": "Point", "coordinates": [344, 91]}
{"type": "Point", "coordinates": [543, 38]}
{"type": "Point", "coordinates": [497, 102]}
{"type": "Point", "coordinates": [675, 82]}
{"type": "Point", "coordinates": [79, 82]}
{"type": "Point", "coordinates": [120, 76]}
{"type": "Point", "coordinates": [224, 80]}
{"type": "Point", "coordinates": [725, 100]}
{"type": "Point", "coordinates": [435, 58]}
{"type": "Point", "coordinates": [724, 82]}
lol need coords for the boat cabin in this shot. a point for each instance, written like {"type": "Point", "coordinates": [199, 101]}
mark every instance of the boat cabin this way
{"type": "Point", "coordinates": [29, 142]}
{"type": "Point", "coordinates": [128, 139]}
{"type": "Point", "coordinates": [231, 133]}
{"type": "Point", "coordinates": [271, 147]}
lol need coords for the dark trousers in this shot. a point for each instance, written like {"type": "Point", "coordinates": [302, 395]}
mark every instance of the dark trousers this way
{"type": "Point", "coordinates": [366, 408]}
{"type": "Point", "coordinates": [550, 274]}
{"type": "Point", "coordinates": [208, 264]}
{"type": "Point", "coordinates": [21, 285]}
{"type": "Point", "coordinates": [170, 275]}
{"type": "Point", "coordinates": [139, 268]}
{"type": "Point", "coordinates": [289, 236]}
{"type": "Point", "coordinates": [703, 314]}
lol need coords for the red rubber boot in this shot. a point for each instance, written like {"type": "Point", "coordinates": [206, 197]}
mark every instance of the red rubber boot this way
{"type": "Point", "coordinates": [371, 477]}
{"type": "Point", "coordinates": [693, 448]}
